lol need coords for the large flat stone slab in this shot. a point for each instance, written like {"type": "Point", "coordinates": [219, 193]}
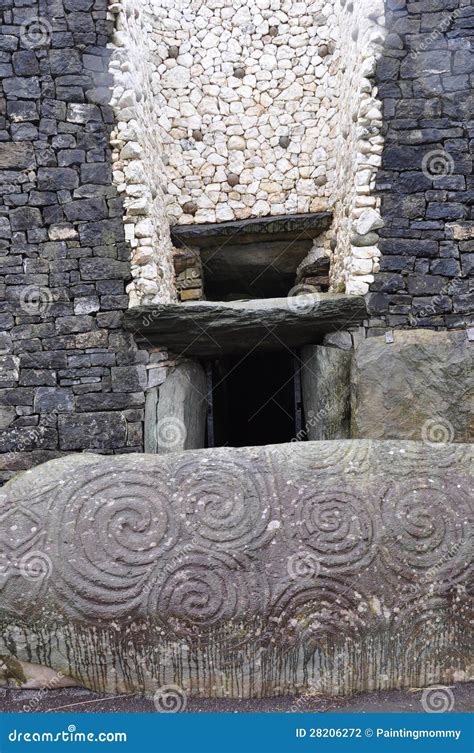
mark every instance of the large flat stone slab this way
{"type": "Point", "coordinates": [420, 386]}
{"type": "Point", "coordinates": [285, 227]}
{"type": "Point", "coordinates": [207, 328]}
{"type": "Point", "coordinates": [338, 566]}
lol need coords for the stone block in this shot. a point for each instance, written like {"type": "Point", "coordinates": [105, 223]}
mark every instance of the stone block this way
{"type": "Point", "coordinates": [53, 400]}
{"type": "Point", "coordinates": [25, 63]}
{"type": "Point", "coordinates": [129, 378]}
{"type": "Point", "coordinates": [338, 566]}
{"type": "Point", "coordinates": [22, 87]}
{"type": "Point", "coordinates": [16, 155]}
{"type": "Point", "coordinates": [103, 269]}
{"type": "Point", "coordinates": [57, 178]}
{"type": "Point", "coordinates": [175, 415]}
{"type": "Point", "coordinates": [65, 64]}
{"type": "Point", "coordinates": [326, 378]}
{"type": "Point", "coordinates": [7, 416]}
{"type": "Point", "coordinates": [92, 431]}
{"type": "Point", "coordinates": [87, 210]}
{"type": "Point", "coordinates": [27, 439]}
{"type": "Point", "coordinates": [25, 218]}
{"type": "Point", "coordinates": [426, 284]}
{"type": "Point", "coordinates": [420, 387]}
{"type": "Point", "coordinates": [9, 369]}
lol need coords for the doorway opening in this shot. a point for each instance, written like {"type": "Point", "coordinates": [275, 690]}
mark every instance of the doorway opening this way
{"type": "Point", "coordinates": [254, 399]}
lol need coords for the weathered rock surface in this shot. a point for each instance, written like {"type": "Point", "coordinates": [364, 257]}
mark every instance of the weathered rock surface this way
{"type": "Point", "coordinates": [212, 328]}
{"type": "Point", "coordinates": [278, 227]}
{"type": "Point", "coordinates": [175, 413]}
{"type": "Point", "coordinates": [326, 377]}
{"type": "Point", "coordinates": [338, 565]}
{"type": "Point", "coordinates": [420, 386]}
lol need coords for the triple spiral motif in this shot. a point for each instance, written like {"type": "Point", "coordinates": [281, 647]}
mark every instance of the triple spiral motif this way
{"type": "Point", "coordinates": [112, 527]}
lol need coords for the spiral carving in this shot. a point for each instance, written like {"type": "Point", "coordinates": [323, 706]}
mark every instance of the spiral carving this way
{"type": "Point", "coordinates": [202, 589]}
{"type": "Point", "coordinates": [227, 502]}
{"type": "Point", "coordinates": [417, 458]}
{"type": "Point", "coordinates": [427, 530]}
{"type": "Point", "coordinates": [210, 569]}
{"type": "Point", "coordinates": [112, 528]}
{"type": "Point", "coordinates": [336, 525]}
{"type": "Point", "coordinates": [328, 609]}
{"type": "Point", "coordinates": [353, 455]}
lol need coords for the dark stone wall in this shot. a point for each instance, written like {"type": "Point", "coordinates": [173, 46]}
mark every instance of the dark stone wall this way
{"type": "Point", "coordinates": [71, 378]}
{"type": "Point", "coordinates": [426, 79]}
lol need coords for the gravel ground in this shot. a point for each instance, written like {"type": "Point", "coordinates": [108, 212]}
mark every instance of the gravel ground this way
{"type": "Point", "coordinates": [80, 700]}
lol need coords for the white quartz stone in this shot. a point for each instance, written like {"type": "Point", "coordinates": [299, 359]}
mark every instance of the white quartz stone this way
{"type": "Point", "coordinates": [292, 124]}
{"type": "Point", "coordinates": [369, 220]}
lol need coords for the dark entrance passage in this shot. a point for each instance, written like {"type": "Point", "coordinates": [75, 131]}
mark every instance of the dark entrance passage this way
{"type": "Point", "coordinates": [255, 400]}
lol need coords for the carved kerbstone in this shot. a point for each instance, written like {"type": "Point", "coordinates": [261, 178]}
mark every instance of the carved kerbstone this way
{"type": "Point", "coordinates": [339, 566]}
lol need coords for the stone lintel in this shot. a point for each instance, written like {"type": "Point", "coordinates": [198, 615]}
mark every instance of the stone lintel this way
{"type": "Point", "coordinates": [208, 328]}
{"type": "Point", "coordinates": [279, 227]}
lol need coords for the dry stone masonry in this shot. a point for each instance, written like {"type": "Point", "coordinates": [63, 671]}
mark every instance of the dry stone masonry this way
{"type": "Point", "coordinates": [232, 111]}
{"type": "Point", "coordinates": [425, 79]}
{"type": "Point", "coordinates": [103, 106]}
{"type": "Point", "coordinates": [336, 139]}
{"type": "Point", "coordinates": [71, 378]}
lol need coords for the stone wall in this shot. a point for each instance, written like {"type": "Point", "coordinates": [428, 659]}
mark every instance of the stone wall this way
{"type": "Point", "coordinates": [241, 110]}
{"type": "Point", "coordinates": [71, 378]}
{"type": "Point", "coordinates": [138, 156]}
{"type": "Point", "coordinates": [425, 80]}
{"type": "Point", "coordinates": [72, 207]}
{"type": "Point", "coordinates": [358, 148]}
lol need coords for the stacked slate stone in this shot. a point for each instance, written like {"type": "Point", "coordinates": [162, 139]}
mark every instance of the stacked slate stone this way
{"type": "Point", "coordinates": [425, 78]}
{"type": "Point", "coordinates": [71, 378]}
